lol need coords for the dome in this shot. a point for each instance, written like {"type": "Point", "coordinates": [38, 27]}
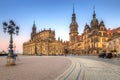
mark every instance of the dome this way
{"type": "Point", "coordinates": [102, 26]}
{"type": "Point", "coordinates": [73, 24]}
{"type": "Point", "coordinates": [87, 27]}
{"type": "Point", "coordinates": [102, 23]}
{"type": "Point", "coordinates": [94, 22]}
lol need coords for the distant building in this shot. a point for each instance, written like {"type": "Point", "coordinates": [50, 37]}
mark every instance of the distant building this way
{"type": "Point", "coordinates": [113, 43]}
{"type": "Point", "coordinates": [3, 52]}
{"type": "Point", "coordinates": [43, 42]}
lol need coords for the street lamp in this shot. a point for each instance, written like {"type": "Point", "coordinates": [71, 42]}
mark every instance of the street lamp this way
{"type": "Point", "coordinates": [11, 28]}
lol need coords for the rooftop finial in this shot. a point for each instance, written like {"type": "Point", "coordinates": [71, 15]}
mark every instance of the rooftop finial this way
{"type": "Point", "coordinates": [73, 9]}
{"type": "Point", "coordinates": [34, 24]}
{"type": "Point", "coordinates": [34, 21]}
{"type": "Point", "coordinates": [73, 15]}
{"type": "Point", "coordinates": [94, 14]}
{"type": "Point", "coordinates": [94, 7]}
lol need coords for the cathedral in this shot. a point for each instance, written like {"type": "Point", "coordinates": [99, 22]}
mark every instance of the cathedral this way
{"type": "Point", "coordinates": [43, 43]}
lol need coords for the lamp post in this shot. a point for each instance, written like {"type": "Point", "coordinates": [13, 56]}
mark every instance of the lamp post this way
{"type": "Point", "coordinates": [11, 28]}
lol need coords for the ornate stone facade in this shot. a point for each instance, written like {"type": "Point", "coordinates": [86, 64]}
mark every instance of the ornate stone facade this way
{"type": "Point", "coordinates": [113, 43]}
{"type": "Point", "coordinates": [93, 39]}
{"type": "Point", "coordinates": [43, 42]}
{"type": "Point", "coordinates": [94, 36]}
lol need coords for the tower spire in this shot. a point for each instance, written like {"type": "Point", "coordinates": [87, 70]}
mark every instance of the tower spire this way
{"type": "Point", "coordinates": [34, 24]}
{"type": "Point", "coordinates": [94, 14]}
{"type": "Point", "coordinates": [73, 9]}
{"type": "Point", "coordinates": [73, 15]}
{"type": "Point", "coordinates": [34, 27]}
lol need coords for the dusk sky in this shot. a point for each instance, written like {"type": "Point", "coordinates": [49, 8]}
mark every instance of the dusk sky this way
{"type": "Point", "coordinates": [54, 14]}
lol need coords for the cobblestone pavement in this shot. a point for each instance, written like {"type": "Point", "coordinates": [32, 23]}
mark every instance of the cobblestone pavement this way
{"type": "Point", "coordinates": [86, 68]}
{"type": "Point", "coordinates": [34, 68]}
{"type": "Point", "coordinates": [114, 61]}
{"type": "Point", "coordinates": [60, 68]}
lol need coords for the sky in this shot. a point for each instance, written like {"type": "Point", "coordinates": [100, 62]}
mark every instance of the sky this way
{"type": "Point", "coordinates": [54, 14]}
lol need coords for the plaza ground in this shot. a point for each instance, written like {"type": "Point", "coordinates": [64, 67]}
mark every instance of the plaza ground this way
{"type": "Point", "coordinates": [34, 68]}
{"type": "Point", "coordinates": [61, 68]}
{"type": "Point", "coordinates": [92, 68]}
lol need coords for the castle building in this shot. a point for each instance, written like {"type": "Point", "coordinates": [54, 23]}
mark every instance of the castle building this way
{"type": "Point", "coordinates": [93, 39]}
{"type": "Point", "coordinates": [43, 42]}
{"type": "Point", "coordinates": [94, 36]}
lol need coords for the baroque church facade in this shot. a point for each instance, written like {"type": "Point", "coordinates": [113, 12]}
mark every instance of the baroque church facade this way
{"type": "Point", "coordinates": [43, 43]}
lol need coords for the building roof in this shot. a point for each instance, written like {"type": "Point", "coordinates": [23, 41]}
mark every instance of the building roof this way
{"type": "Point", "coordinates": [115, 30]}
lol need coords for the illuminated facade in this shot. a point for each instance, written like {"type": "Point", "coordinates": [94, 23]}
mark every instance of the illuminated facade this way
{"type": "Point", "coordinates": [73, 29]}
{"type": "Point", "coordinates": [43, 42]}
{"type": "Point", "coordinates": [95, 36]}
{"type": "Point", "coordinates": [93, 39]}
{"type": "Point", "coordinates": [113, 43]}
{"type": "Point", "coordinates": [74, 39]}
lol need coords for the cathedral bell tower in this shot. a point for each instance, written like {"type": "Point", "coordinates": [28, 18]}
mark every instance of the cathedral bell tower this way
{"type": "Point", "coordinates": [73, 28]}
{"type": "Point", "coordinates": [33, 30]}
